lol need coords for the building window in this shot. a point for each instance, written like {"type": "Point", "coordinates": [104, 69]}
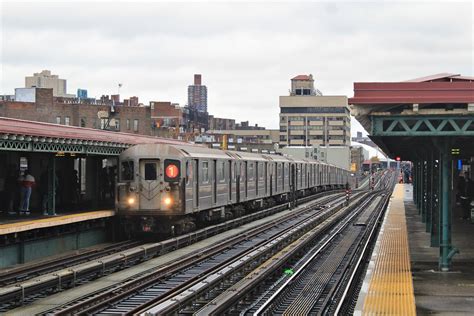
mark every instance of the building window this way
{"type": "Point", "coordinates": [128, 124]}
{"type": "Point", "coordinates": [67, 120]}
{"type": "Point", "coordinates": [58, 119]}
{"type": "Point", "coordinates": [83, 122]}
{"type": "Point", "coordinates": [117, 124]}
{"type": "Point", "coordinates": [135, 125]}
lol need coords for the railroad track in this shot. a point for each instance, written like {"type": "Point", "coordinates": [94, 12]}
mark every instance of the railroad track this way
{"type": "Point", "coordinates": [131, 296]}
{"type": "Point", "coordinates": [34, 284]}
{"type": "Point", "coordinates": [324, 278]}
{"type": "Point", "coordinates": [25, 272]}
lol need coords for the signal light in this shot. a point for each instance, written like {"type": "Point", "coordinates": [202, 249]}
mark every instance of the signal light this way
{"type": "Point", "coordinates": [172, 170]}
{"type": "Point", "coordinates": [397, 158]}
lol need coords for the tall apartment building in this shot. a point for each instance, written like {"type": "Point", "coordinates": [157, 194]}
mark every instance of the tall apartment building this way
{"type": "Point", "coordinates": [197, 95]}
{"type": "Point", "coordinates": [309, 118]}
{"type": "Point", "coordinates": [45, 79]}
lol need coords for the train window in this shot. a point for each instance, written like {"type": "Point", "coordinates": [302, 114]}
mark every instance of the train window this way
{"type": "Point", "coordinates": [150, 171]}
{"type": "Point", "coordinates": [250, 175]}
{"type": "Point", "coordinates": [127, 171]}
{"type": "Point", "coordinates": [221, 171]}
{"type": "Point", "coordinates": [189, 172]}
{"type": "Point", "coordinates": [205, 172]}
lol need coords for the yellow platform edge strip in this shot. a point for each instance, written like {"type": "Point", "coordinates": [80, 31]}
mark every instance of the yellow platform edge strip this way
{"type": "Point", "coordinates": [391, 286]}
{"type": "Point", "coordinates": [53, 221]}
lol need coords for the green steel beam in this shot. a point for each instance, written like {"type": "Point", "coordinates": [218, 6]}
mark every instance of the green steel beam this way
{"type": "Point", "coordinates": [422, 125]}
{"type": "Point", "coordinates": [59, 145]}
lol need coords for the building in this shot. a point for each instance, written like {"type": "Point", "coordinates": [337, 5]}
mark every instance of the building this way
{"type": "Point", "coordinates": [133, 101]}
{"type": "Point", "coordinates": [82, 93]}
{"type": "Point", "coordinates": [262, 140]}
{"type": "Point", "coordinates": [197, 95]}
{"type": "Point", "coordinates": [45, 79]}
{"type": "Point", "coordinates": [309, 118]}
{"type": "Point", "coordinates": [339, 156]}
{"type": "Point", "coordinates": [39, 104]}
{"type": "Point", "coordinates": [167, 119]}
{"type": "Point", "coordinates": [217, 123]}
{"type": "Point", "coordinates": [358, 155]}
{"type": "Point", "coordinates": [300, 152]}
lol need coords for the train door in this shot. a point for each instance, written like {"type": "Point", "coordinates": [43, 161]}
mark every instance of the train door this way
{"type": "Point", "coordinates": [189, 185]}
{"type": "Point", "coordinates": [195, 169]}
{"type": "Point", "coordinates": [266, 175]}
{"type": "Point", "coordinates": [214, 181]}
{"type": "Point", "coordinates": [244, 177]}
{"type": "Point", "coordinates": [230, 180]}
{"type": "Point", "coordinates": [293, 176]}
{"type": "Point", "coordinates": [256, 177]}
{"type": "Point", "coordinates": [149, 184]}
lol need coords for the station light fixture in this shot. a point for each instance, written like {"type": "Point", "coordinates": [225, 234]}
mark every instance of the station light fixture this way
{"type": "Point", "coordinates": [455, 151]}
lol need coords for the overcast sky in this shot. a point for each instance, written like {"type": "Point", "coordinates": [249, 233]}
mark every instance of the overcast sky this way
{"type": "Point", "coordinates": [246, 51]}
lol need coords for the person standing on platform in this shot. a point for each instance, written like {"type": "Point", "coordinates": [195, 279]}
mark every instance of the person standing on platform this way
{"type": "Point", "coordinates": [27, 182]}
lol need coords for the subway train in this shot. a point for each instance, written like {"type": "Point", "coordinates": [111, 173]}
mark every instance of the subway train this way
{"type": "Point", "coordinates": [170, 189]}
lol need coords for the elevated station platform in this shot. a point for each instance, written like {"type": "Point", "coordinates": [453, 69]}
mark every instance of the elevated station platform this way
{"type": "Point", "coordinates": [17, 224]}
{"type": "Point", "coordinates": [403, 279]}
{"type": "Point", "coordinates": [428, 121]}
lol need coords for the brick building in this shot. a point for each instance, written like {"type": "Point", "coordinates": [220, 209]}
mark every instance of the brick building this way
{"type": "Point", "coordinates": [69, 111]}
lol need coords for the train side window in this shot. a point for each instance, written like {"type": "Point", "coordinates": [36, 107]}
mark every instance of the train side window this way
{"type": "Point", "coordinates": [189, 172]}
{"type": "Point", "coordinates": [221, 171]}
{"type": "Point", "coordinates": [250, 175]}
{"type": "Point", "coordinates": [127, 170]}
{"type": "Point", "coordinates": [150, 171]}
{"type": "Point", "coordinates": [205, 172]}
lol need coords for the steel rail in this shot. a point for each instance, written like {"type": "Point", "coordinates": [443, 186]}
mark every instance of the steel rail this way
{"type": "Point", "coordinates": [105, 298]}
{"type": "Point", "coordinates": [20, 293]}
{"type": "Point", "coordinates": [309, 260]}
{"type": "Point", "coordinates": [168, 304]}
{"type": "Point", "coordinates": [351, 280]}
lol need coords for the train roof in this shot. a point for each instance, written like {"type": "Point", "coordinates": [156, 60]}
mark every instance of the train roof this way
{"type": "Point", "coordinates": [153, 150]}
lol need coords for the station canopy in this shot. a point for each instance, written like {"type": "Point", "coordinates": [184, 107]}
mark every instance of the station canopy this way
{"type": "Point", "coordinates": [21, 135]}
{"type": "Point", "coordinates": [409, 117]}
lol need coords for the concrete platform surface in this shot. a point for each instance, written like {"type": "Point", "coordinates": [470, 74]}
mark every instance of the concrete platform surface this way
{"type": "Point", "coordinates": [16, 224]}
{"type": "Point", "coordinates": [441, 293]}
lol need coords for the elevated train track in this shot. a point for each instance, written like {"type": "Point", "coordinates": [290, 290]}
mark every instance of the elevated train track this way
{"type": "Point", "coordinates": [24, 285]}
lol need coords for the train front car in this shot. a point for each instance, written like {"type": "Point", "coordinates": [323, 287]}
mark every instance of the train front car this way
{"type": "Point", "coordinates": [149, 188]}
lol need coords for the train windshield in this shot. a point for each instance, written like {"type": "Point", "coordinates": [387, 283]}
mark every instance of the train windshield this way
{"type": "Point", "coordinates": [127, 170]}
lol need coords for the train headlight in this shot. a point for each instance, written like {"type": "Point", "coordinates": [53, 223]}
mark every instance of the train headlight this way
{"type": "Point", "coordinates": [131, 201]}
{"type": "Point", "coordinates": [168, 201]}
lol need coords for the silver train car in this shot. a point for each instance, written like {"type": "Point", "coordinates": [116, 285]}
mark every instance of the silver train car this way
{"type": "Point", "coordinates": [167, 189]}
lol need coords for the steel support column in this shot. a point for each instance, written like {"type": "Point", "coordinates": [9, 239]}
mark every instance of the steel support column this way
{"type": "Point", "coordinates": [415, 180]}
{"type": "Point", "coordinates": [429, 191]}
{"type": "Point", "coordinates": [51, 205]}
{"type": "Point", "coordinates": [435, 228]}
{"type": "Point", "coordinates": [446, 249]}
{"type": "Point", "coordinates": [424, 189]}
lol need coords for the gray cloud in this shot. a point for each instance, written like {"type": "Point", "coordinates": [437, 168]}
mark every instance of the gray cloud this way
{"type": "Point", "coordinates": [247, 52]}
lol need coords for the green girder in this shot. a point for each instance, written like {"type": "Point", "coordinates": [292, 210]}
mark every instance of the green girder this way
{"type": "Point", "coordinates": [50, 145]}
{"type": "Point", "coordinates": [434, 125]}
